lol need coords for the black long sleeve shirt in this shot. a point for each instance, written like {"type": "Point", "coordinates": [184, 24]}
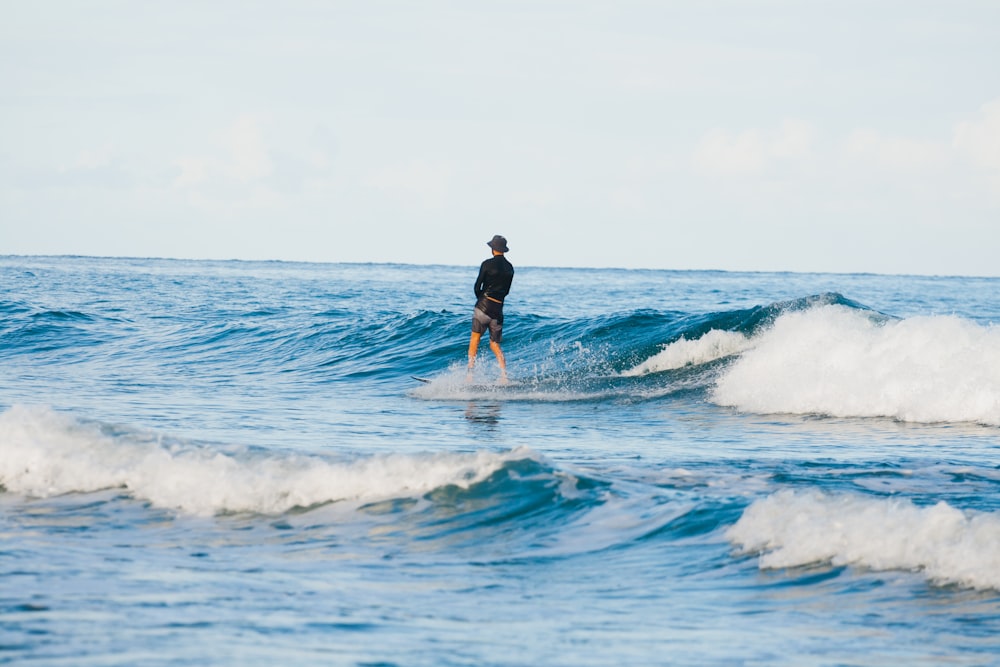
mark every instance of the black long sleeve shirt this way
{"type": "Point", "coordinates": [494, 279]}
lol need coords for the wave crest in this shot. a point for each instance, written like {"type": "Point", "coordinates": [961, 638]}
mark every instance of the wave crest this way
{"type": "Point", "coordinates": [837, 361]}
{"type": "Point", "coordinates": [710, 347]}
{"type": "Point", "coordinates": [47, 453]}
{"type": "Point", "coordinates": [946, 544]}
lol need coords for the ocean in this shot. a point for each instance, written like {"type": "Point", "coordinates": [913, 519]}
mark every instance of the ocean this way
{"type": "Point", "coordinates": [230, 463]}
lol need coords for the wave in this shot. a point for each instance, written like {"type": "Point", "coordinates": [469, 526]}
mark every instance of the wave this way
{"type": "Point", "coordinates": [48, 453]}
{"type": "Point", "coordinates": [471, 498]}
{"type": "Point", "coordinates": [698, 340]}
{"type": "Point", "coordinates": [710, 347]}
{"type": "Point", "coordinates": [444, 498]}
{"type": "Point", "coordinates": [947, 545]}
{"type": "Point", "coordinates": [381, 344]}
{"type": "Point", "coordinates": [24, 330]}
{"type": "Point", "coordinates": [822, 354]}
{"type": "Point", "coordinates": [841, 362]}
{"type": "Point", "coordinates": [817, 355]}
{"type": "Point", "coordinates": [827, 355]}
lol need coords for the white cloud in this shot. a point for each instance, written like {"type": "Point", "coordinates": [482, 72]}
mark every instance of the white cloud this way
{"type": "Point", "coordinates": [248, 156]}
{"type": "Point", "coordinates": [425, 182]}
{"type": "Point", "coordinates": [975, 142]}
{"type": "Point", "coordinates": [896, 153]}
{"type": "Point", "coordinates": [754, 150]}
{"type": "Point", "coordinates": [91, 159]}
{"type": "Point", "coordinates": [792, 140]}
{"type": "Point", "coordinates": [241, 157]}
{"type": "Point", "coordinates": [972, 157]}
{"type": "Point", "coordinates": [194, 170]}
{"type": "Point", "coordinates": [979, 140]}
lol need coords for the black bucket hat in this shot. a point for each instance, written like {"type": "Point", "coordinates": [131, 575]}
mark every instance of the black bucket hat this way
{"type": "Point", "coordinates": [498, 243]}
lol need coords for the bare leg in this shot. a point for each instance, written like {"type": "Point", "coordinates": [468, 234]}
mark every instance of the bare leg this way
{"type": "Point", "coordinates": [501, 360]}
{"type": "Point", "coordinates": [473, 348]}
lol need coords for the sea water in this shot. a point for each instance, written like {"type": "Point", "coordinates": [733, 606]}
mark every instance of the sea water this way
{"type": "Point", "coordinates": [229, 463]}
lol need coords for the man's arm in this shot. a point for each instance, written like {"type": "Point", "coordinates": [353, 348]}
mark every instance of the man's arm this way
{"type": "Point", "coordinates": [480, 285]}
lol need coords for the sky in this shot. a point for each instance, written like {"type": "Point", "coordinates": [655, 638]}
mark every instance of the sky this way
{"type": "Point", "coordinates": [761, 135]}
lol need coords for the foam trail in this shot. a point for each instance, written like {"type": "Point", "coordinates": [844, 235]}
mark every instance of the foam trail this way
{"type": "Point", "coordinates": [45, 453]}
{"type": "Point", "coordinates": [715, 344]}
{"type": "Point", "coordinates": [838, 361]}
{"type": "Point", "coordinates": [453, 386]}
{"type": "Point", "coordinates": [801, 528]}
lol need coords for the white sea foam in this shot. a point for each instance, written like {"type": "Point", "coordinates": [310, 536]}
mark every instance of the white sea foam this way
{"type": "Point", "coordinates": [716, 344]}
{"type": "Point", "coordinates": [837, 361]}
{"type": "Point", "coordinates": [947, 545]}
{"type": "Point", "coordinates": [45, 453]}
{"type": "Point", "coordinates": [454, 386]}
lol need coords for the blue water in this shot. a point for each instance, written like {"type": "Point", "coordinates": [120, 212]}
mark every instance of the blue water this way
{"type": "Point", "coordinates": [229, 463]}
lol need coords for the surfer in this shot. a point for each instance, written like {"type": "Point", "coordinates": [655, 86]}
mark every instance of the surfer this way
{"type": "Point", "coordinates": [492, 285]}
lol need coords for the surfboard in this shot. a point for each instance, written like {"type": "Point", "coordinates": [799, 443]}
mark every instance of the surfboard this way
{"type": "Point", "coordinates": [470, 386]}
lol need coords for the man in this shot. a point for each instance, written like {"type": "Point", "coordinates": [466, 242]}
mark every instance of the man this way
{"type": "Point", "coordinates": [492, 285]}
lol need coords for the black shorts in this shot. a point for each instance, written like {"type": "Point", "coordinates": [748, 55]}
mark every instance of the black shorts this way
{"type": "Point", "coordinates": [481, 320]}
